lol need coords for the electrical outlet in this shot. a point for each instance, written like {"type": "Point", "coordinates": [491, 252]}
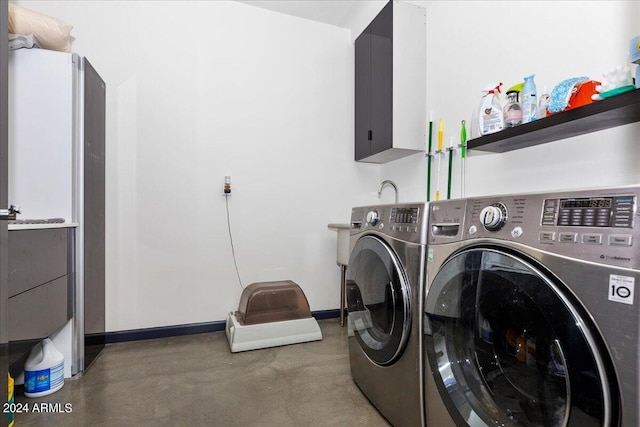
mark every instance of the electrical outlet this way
{"type": "Point", "coordinates": [227, 186]}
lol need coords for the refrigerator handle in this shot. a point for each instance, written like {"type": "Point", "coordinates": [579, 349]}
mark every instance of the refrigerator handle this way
{"type": "Point", "coordinates": [9, 214]}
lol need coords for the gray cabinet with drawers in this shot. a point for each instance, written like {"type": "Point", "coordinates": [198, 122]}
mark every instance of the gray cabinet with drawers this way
{"type": "Point", "coordinates": [41, 282]}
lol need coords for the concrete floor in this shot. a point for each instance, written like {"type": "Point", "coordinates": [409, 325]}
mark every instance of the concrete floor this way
{"type": "Point", "coordinates": [195, 380]}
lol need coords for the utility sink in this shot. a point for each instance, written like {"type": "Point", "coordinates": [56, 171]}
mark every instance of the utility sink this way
{"type": "Point", "coordinates": [342, 252]}
{"type": "Point", "coordinates": [342, 259]}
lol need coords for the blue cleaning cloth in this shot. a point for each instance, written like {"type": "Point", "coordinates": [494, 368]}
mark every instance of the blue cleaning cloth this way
{"type": "Point", "coordinates": [560, 95]}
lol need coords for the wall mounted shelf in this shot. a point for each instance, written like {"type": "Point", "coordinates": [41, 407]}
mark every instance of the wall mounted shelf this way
{"type": "Point", "coordinates": [610, 112]}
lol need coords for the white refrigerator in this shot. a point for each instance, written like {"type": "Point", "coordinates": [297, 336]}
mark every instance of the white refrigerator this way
{"type": "Point", "coordinates": [57, 171]}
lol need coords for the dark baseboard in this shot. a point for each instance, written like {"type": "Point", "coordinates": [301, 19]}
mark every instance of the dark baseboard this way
{"type": "Point", "coordinates": [326, 314]}
{"type": "Point", "coordinates": [188, 329]}
{"type": "Point", "coordinates": [164, 332]}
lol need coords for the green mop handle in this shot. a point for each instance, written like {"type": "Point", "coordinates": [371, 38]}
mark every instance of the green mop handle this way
{"type": "Point", "coordinates": [450, 169]}
{"type": "Point", "coordinates": [429, 160]}
{"type": "Point", "coordinates": [463, 154]}
{"type": "Point", "coordinates": [463, 140]}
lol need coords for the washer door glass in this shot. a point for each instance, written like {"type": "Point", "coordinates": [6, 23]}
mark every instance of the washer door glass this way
{"type": "Point", "coordinates": [378, 300]}
{"type": "Point", "coordinates": [507, 347]}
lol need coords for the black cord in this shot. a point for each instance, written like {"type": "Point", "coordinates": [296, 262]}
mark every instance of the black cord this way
{"type": "Point", "coordinates": [233, 251]}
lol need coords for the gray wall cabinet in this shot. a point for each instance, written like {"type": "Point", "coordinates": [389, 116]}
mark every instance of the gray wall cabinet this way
{"type": "Point", "coordinates": [390, 85]}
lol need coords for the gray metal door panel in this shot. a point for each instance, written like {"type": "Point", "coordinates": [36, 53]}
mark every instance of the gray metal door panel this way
{"type": "Point", "coordinates": [4, 108]}
{"type": "Point", "coordinates": [363, 95]}
{"type": "Point", "coordinates": [382, 80]}
{"type": "Point", "coordinates": [94, 212]}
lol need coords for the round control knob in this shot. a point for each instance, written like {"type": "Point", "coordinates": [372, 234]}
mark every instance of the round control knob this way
{"type": "Point", "coordinates": [372, 218]}
{"type": "Point", "coordinates": [493, 217]}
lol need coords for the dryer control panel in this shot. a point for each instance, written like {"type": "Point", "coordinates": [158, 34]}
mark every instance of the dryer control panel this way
{"type": "Point", "coordinates": [405, 222]}
{"type": "Point", "coordinates": [601, 225]}
{"type": "Point", "coordinates": [590, 212]}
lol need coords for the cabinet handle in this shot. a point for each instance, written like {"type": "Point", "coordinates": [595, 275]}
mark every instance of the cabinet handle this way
{"type": "Point", "coordinates": [9, 214]}
{"type": "Point", "coordinates": [370, 135]}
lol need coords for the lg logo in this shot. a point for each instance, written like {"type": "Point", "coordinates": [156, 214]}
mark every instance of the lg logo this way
{"type": "Point", "coordinates": [621, 289]}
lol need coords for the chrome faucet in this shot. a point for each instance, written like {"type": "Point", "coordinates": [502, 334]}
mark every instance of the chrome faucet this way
{"type": "Point", "coordinates": [391, 183]}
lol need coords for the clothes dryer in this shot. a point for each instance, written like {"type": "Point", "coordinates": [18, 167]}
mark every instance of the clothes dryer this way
{"type": "Point", "coordinates": [531, 315]}
{"type": "Point", "coordinates": [384, 279]}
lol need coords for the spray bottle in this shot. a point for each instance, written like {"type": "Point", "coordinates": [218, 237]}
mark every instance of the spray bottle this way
{"type": "Point", "coordinates": [634, 54]}
{"type": "Point", "coordinates": [543, 102]}
{"type": "Point", "coordinates": [488, 117]}
{"type": "Point", "coordinates": [529, 100]}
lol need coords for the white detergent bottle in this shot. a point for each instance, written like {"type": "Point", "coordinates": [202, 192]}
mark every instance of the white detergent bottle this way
{"type": "Point", "coordinates": [490, 116]}
{"type": "Point", "coordinates": [529, 100]}
{"type": "Point", "coordinates": [43, 370]}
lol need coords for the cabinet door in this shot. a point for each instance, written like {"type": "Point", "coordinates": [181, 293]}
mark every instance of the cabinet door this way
{"type": "Point", "coordinates": [36, 257]}
{"type": "Point", "coordinates": [35, 314]}
{"type": "Point", "coordinates": [4, 287]}
{"type": "Point", "coordinates": [382, 80]}
{"type": "Point", "coordinates": [94, 214]}
{"type": "Point", "coordinates": [363, 95]}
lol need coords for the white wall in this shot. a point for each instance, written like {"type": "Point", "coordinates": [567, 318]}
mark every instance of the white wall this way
{"type": "Point", "coordinates": [197, 91]}
{"type": "Point", "coordinates": [554, 41]}
{"type": "Point", "coordinates": [200, 90]}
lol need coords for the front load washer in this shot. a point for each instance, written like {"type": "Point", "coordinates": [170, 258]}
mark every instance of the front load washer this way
{"type": "Point", "coordinates": [384, 279]}
{"type": "Point", "coordinates": [531, 315]}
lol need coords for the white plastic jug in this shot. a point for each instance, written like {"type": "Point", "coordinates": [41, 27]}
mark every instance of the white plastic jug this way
{"type": "Point", "coordinates": [43, 370]}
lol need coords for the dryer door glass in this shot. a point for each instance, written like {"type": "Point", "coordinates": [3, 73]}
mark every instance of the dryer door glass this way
{"type": "Point", "coordinates": [378, 300]}
{"type": "Point", "coordinates": [508, 347]}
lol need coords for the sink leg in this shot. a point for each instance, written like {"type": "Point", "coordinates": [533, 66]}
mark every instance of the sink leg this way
{"type": "Point", "coordinates": [343, 274]}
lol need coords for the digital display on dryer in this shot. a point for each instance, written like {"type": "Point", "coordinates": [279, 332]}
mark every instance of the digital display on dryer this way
{"type": "Point", "coordinates": [586, 203]}
{"type": "Point", "coordinates": [615, 212]}
{"type": "Point", "coordinates": [404, 215]}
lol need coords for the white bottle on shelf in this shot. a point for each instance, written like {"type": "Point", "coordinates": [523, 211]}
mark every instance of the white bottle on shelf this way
{"type": "Point", "coordinates": [529, 100]}
{"type": "Point", "coordinates": [543, 103]}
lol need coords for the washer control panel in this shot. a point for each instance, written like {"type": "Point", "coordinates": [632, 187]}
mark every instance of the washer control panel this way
{"type": "Point", "coordinates": [402, 221]}
{"type": "Point", "coordinates": [601, 225]}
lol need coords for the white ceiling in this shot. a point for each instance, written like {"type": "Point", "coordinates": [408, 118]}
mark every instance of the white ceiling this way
{"type": "Point", "coordinates": [341, 13]}
{"type": "Point", "coordinates": [334, 12]}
